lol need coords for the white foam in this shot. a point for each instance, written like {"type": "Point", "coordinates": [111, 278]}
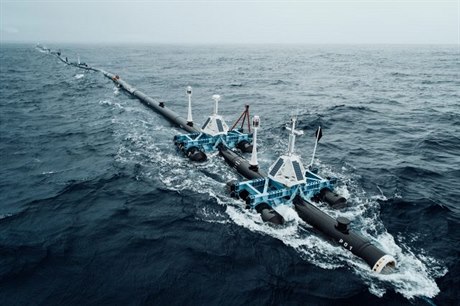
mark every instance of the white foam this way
{"type": "Point", "coordinates": [4, 216]}
{"type": "Point", "coordinates": [79, 76]}
{"type": "Point", "coordinates": [111, 103]}
{"type": "Point", "coordinates": [48, 172]}
{"type": "Point", "coordinates": [41, 50]}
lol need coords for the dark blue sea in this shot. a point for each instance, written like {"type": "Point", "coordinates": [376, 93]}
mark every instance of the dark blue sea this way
{"type": "Point", "coordinates": [98, 208]}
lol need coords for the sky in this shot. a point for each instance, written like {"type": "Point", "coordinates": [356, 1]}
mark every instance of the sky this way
{"type": "Point", "coordinates": [232, 21]}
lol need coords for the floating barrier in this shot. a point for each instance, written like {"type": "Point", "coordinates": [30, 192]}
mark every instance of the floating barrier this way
{"type": "Point", "coordinates": [286, 183]}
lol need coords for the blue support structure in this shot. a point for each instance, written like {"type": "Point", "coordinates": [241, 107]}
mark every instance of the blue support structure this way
{"type": "Point", "coordinates": [208, 143]}
{"type": "Point", "coordinates": [266, 190]}
{"type": "Point", "coordinates": [287, 179]}
{"type": "Point", "coordinates": [214, 133]}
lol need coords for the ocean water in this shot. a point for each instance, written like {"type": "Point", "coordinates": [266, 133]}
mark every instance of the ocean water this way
{"type": "Point", "coordinates": [98, 208]}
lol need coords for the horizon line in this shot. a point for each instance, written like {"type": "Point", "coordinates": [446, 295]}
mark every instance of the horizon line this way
{"type": "Point", "coordinates": [220, 43]}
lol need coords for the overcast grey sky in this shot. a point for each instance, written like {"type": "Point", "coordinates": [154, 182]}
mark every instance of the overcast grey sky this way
{"type": "Point", "coordinates": [219, 21]}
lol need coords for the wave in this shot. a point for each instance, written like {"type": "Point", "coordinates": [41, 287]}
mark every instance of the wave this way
{"type": "Point", "coordinates": [442, 142]}
{"type": "Point", "coordinates": [400, 74]}
{"type": "Point", "coordinates": [352, 108]}
{"type": "Point", "coordinates": [279, 82]}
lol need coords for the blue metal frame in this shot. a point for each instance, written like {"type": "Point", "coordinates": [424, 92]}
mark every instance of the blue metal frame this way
{"type": "Point", "coordinates": [266, 190]}
{"type": "Point", "coordinates": [208, 143]}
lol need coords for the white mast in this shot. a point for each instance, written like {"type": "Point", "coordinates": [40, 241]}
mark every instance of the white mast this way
{"type": "Point", "coordinates": [254, 165]}
{"type": "Point", "coordinates": [217, 99]}
{"type": "Point", "coordinates": [189, 115]}
{"type": "Point", "coordinates": [292, 135]}
{"type": "Point", "coordinates": [215, 125]}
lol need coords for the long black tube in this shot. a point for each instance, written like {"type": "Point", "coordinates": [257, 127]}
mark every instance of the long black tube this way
{"type": "Point", "coordinates": [148, 101]}
{"type": "Point", "coordinates": [240, 163]}
{"type": "Point", "coordinates": [337, 230]}
{"type": "Point", "coordinates": [166, 112]}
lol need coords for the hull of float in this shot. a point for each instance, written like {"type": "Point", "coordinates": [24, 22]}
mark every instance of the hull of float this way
{"type": "Point", "coordinates": [333, 199]}
{"type": "Point", "coordinates": [243, 167]}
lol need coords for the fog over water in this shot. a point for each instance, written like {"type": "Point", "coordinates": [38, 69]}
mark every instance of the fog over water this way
{"type": "Point", "coordinates": [336, 22]}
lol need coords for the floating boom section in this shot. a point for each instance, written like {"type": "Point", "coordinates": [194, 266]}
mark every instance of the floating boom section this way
{"type": "Point", "coordinates": [159, 107]}
{"type": "Point", "coordinates": [214, 132]}
{"type": "Point", "coordinates": [77, 64]}
{"type": "Point", "coordinates": [239, 163]}
{"type": "Point", "coordinates": [339, 231]}
{"type": "Point", "coordinates": [298, 189]}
